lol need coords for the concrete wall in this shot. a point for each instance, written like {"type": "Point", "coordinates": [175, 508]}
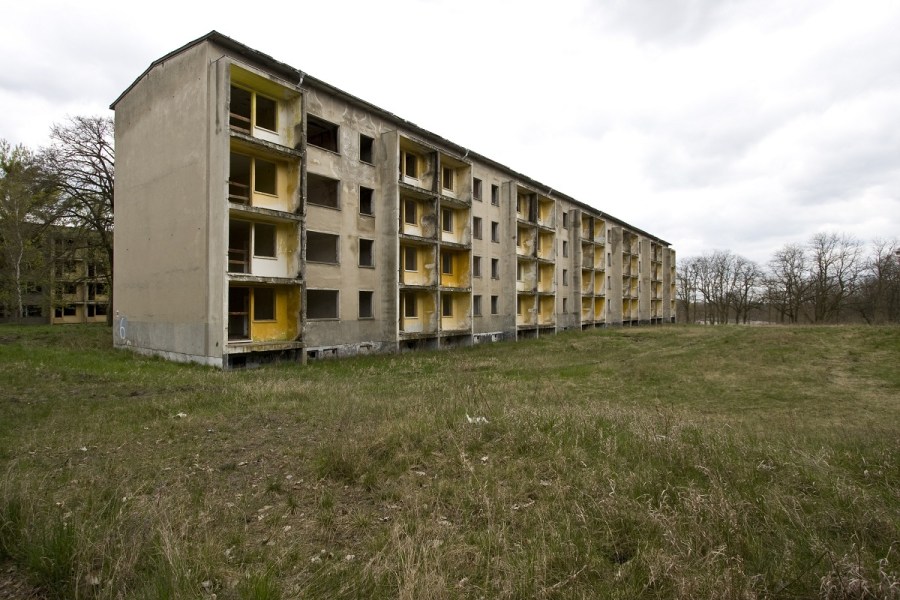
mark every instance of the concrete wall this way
{"type": "Point", "coordinates": [166, 297]}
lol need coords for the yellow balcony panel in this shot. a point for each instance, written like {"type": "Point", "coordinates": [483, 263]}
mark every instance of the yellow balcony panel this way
{"type": "Point", "coordinates": [418, 265]}
{"type": "Point", "coordinates": [455, 269]}
{"type": "Point", "coordinates": [546, 248]}
{"type": "Point", "coordinates": [526, 311]}
{"type": "Point", "coordinates": [456, 312]}
{"type": "Point", "coordinates": [263, 313]}
{"type": "Point", "coordinates": [525, 241]}
{"type": "Point", "coordinates": [455, 225]}
{"type": "Point", "coordinates": [587, 282]}
{"type": "Point", "coordinates": [523, 206]}
{"type": "Point", "coordinates": [587, 228]}
{"type": "Point", "coordinates": [418, 313]}
{"type": "Point", "coordinates": [546, 310]}
{"type": "Point", "coordinates": [526, 275]}
{"type": "Point", "coordinates": [587, 309]}
{"type": "Point", "coordinates": [262, 182]}
{"type": "Point", "coordinates": [263, 108]}
{"type": "Point", "coordinates": [417, 165]}
{"type": "Point", "coordinates": [418, 217]}
{"type": "Point", "coordinates": [546, 212]}
{"type": "Point", "coordinates": [545, 282]}
{"type": "Point", "coordinates": [599, 259]}
{"type": "Point", "coordinates": [600, 231]}
{"type": "Point", "coordinates": [600, 309]}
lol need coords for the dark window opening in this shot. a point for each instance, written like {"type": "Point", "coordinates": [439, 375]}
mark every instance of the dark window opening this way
{"type": "Point", "coordinates": [476, 266]}
{"type": "Point", "coordinates": [447, 220]}
{"type": "Point", "coordinates": [366, 255]}
{"type": "Point", "coordinates": [565, 220]}
{"type": "Point", "coordinates": [366, 204]}
{"type": "Point", "coordinates": [266, 110]}
{"type": "Point", "coordinates": [495, 231]}
{"type": "Point", "coordinates": [476, 305]}
{"type": "Point", "coordinates": [239, 179]}
{"type": "Point", "coordinates": [446, 305]}
{"type": "Point", "coordinates": [495, 268]}
{"type": "Point", "coordinates": [239, 113]}
{"type": "Point", "coordinates": [495, 305]}
{"type": "Point", "coordinates": [410, 306]}
{"type": "Point", "coordinates": [495, 195]}
{"type": "Point", "coordinates": [476, 189]}
{"type": "Point", "coordinates": [476, 228]}
{"type": "Point", "coordinates": [409, 259]}
{"type": "Point", "coordinates": [263, 304]}
{"type": "Point", "coordinates": [265, 240]}
{"type": "Point", "coordinates": [410, 165]}
{"type": "Point", "coordinates": [322, 247]}
{"type": "Point", "coordinates": [322, 191]}
{"type": "Point", "coordinates": [238, 313]}
{"type": "Point", "coordinates": [447, 264]}
{"type": "Point", "coordinates": [321, 133]}
{"type": "Point", "coordinates": [409, 212]}
{"type": "Point", "coordinates": [365, 305]}
{"type": "Point", "coordinates": [265, 180]}
{"type": "Point", "coordinates": [322, 304]}
{"type": "Point", "coordinates": [447, 178]}
{"type": "Point", "coordinates": [365, 148]}
{"type": "Point", "coordinates": [238, 247]}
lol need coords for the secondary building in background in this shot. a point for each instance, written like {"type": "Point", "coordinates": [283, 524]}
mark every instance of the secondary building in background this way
{"type": "Point", "coordinates": [263, 213]}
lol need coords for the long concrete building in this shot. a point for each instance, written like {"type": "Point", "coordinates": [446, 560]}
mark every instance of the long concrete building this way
{"type": "Point", "coordinates": [262, 213]}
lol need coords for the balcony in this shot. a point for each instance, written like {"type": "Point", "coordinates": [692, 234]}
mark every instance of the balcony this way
{"type": "Point", "coordinates": [587, 282]}
{"type": "Point", "coordinates": [587, 256]}
{"type": "Point", "coordinates": [526, 276]}
{"type": "Point", "coordinates": [545, 279]}
{"type": "Point", "coordinates": [546, 248]}
{"type": "Point", "coordinates": [546, 213]}
{"type": "Point", "coordinates": [418, 218]}
{"type": "Point", "coordinates": [456, 313]}
{"type": "Point", "coordinates": [546, 311]}
{"type": "Point", "coordinates": [262, 182]}
{"type": "Point", "coordinates": [261, 116]}
{"type": "Point", "coordinates": [418, 314]}
{"type": "Point", "coordinates": [526, 311]}
{"type": "Point", "coordinates": [419, 265]}
{"type": "Point", "coordinates": [455, 269]}
{"type": "Point", "coordinates": [587, 309]}
{"type": "Point", "coordinates": [263, 313]}
{"type": "Point", "coordinates": [262, 249]}
{"type": "Point", "coordinates": [600, 310]}
{"type": "Point", "coordinates": [455, 226]}
{"type": "Point", "coordinates": [525, 241]}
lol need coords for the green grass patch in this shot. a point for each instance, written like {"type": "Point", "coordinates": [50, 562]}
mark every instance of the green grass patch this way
{"type": "Point", "coordinates": [666, 462]}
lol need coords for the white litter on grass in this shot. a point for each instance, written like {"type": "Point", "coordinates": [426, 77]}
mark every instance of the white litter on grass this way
{"type": "Point", "coordinates": [180, 415]}
{"type": "Point", "coordinates": [476, 420]}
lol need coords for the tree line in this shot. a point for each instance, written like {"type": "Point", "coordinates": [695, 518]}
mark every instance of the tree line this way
{"type": "Point", "coordinates": [832, 278]}
{"type": "Point", "coordinates": [67, 184]}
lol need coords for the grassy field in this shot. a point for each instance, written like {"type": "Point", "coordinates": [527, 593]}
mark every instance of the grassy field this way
{"type": "Point", "coordinates": [669, 462]}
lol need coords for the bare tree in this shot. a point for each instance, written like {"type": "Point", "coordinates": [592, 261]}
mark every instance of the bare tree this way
{"type": "Point", "coordinates": [878, 299]}
{"type": "Point", "coordinates": [81, 159]}
{"type": "Point", "coordinates": [688, 288]}
{"type": "Point", "coordinates": [788, 283]}
{"type": "Point", "coordinates": [835, 262]}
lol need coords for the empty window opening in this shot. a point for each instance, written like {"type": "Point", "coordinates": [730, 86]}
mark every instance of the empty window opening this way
{"type": "Point", "coordinates": [565, 220]}
{"type": "Point", "coordinates": [239, 179]}
{"type": "Point", "coordinates": [495, 305]}
{"type": "Point", "coordinates": [447, 176]}
{"type": "Point", "coordinates": [446, 305]}
{"type": "Point", "coordinates": [495, 268]}
{"type": "Point", "coordinates": [495, 195]}
{"type": "Point", "coordinates": [266, 110]}
{"type": "Point", "coordinates": [519, 271]}
{"type": "Point", "coordinates": [366, 204]}
{"type": "Point", "coordinates": [410, 306]}
{"type": "Point", "coordinates": [265, 240]}
{"type": "Point", "coordinates": [495, 231]}
{"type": "Point", "coordinates": [322, 304]}
{"type": "Point", "coordinates": [366, 145]}
{"type": "Point", "coordinates": [476, 227]}
{"type": "Point", "coordinates": [447, 264]}
{"type": "Point", "coordinates": [447, 220]}
{"type": "Point", "coordinates": [565, 248]}
{"type": "Point", "coordinates": [409, 212]}
{"type": "Point", "coordinates": [265, 177]}
{"type": "Point", "coordinates": [476, 305]}
{"type": "Point", "coordinates": [263, 304]}
{"type": "Point", "coordinates": [565, 277]}
{"type": "Point", "coordinates": [238, 313]}
{"type": "Point", "coordinates": [366, 305]}
{"type": "Point", "coordinates": [323, 191]}
{"type": "Point", "coordinates": [565, 305]}
{"type": "Point", "coordinates": [410, 259]}
{"type": "Point", "coordinates": [476, 189]}
{"type": "Point", "coordinates": [240, 110]}
{"type": "Point", "coordinates": [321, 133]}
{"type": "Point", "coordinates": [476, 266]}
{"type": "Point", "coordinates": [366, 254]}
{"type": "Point", "coordinates": [410, 165]}
{"type": "Point", "coordinates": [519, 306]}
{"type": "Point", "coordinates": [238, 247]}
{"type": "Point", "coordinates": [322, 247]}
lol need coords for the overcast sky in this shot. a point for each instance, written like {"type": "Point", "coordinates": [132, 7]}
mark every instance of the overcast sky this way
{"type": "Point", "coordinates": [713, 124]}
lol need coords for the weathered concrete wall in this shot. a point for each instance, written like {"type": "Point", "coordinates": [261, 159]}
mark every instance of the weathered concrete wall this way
{"type": "Point", "coordinates": [165, 248]}
{"type": "Point", "coordinates": [614, 271]}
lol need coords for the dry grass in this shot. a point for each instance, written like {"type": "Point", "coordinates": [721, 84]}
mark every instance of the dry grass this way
{"type": "Point", "coordinates": [660, 462]}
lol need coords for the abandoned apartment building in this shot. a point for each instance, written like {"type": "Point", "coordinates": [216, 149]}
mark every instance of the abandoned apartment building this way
{"type": "Point", "coordinates": [262, 213]}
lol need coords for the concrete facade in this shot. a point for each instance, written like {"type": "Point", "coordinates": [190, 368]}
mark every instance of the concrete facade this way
{"type": "Point", "coordinates": [262, 213]}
